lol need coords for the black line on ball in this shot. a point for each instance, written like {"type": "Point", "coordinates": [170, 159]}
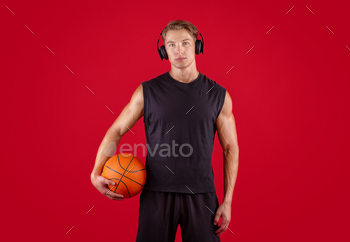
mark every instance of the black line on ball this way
{"type": "Point", "coordinates": [124, 169]}
{"type": "Point", "coordinates": [125, 175]}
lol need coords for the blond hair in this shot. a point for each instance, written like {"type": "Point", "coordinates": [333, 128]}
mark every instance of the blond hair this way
{"type": "Point", "coordinates": [181, 24]}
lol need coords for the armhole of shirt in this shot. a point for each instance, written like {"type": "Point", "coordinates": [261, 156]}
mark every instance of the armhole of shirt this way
{"type": "Point", "coordinates": [222, 97]}
{"type": "Point", "coordinates": [145, 102]}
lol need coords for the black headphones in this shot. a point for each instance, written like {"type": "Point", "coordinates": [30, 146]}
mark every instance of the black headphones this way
{"type": "Point", "coordinates": [198, 47]}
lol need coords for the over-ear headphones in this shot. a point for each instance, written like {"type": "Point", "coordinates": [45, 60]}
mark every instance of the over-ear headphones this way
{"type": "Point", "coordinates": [198, 47]}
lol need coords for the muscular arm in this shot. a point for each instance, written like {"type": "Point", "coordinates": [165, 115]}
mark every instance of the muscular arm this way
{"type": "Point", "coordinates": [131, 113]}
{"type": "Point", "coordinates": [227, 134]}
{"type": "Point", "coordinates": [228, 139]}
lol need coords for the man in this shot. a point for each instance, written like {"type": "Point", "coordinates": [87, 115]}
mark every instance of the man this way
{"type": "Point", "coordinates": [186, 107]}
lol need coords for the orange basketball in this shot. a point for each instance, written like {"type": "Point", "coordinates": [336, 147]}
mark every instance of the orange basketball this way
{"type": "Point", "coordinates": [127, 171]}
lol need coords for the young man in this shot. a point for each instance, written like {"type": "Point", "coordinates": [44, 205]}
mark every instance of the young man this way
{"type": "Point", "coordinates": [184, 107]}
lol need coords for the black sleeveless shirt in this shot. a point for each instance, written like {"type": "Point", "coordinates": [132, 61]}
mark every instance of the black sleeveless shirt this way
{"type": "Point", "coordinates": [180, 129]}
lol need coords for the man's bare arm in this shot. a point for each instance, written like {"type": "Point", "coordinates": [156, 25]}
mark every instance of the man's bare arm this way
{"type": "Point", "coordinates": [227, 134]}
{"type": "Point", "coordinates": [131, 113]}
{"type": "Point", "coordinates": [228, 139]}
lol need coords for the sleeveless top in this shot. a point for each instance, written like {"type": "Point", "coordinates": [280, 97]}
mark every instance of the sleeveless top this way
{"type": "Point", "coordinates": [180, 128]}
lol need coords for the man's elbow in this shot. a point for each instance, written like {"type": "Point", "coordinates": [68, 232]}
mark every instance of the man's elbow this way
{"type": "Point", "coordinates": [231, 150]}
{"type": "Point", "coordinates": [115, 132]}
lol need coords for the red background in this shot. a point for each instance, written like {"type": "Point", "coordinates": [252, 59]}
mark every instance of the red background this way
{"type": "Point", "coordinates": [290, 96]}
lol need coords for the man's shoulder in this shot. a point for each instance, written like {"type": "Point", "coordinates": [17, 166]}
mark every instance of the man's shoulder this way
{"type": "Point", "coordinates": [214, 83]}
{"type": "Point", "coordinates": [153, 80]}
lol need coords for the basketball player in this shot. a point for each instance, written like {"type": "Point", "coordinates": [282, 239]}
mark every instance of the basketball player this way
{"type": "Point", "coordinates": [185, 106]}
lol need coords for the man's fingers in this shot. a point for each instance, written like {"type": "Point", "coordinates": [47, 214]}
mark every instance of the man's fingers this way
{"type": "Point", "coordinates": [106, 187]}
{"type": "Point", "coordinates": [109, 182]}
{"type": "Point", "coordinates": [114, 198]}
{"type": "Point", "coordinates": [223, 228]}
{"type": "Point", "coordinates": [106, 181]}
{"type": "Point", "coordinates": [217, 232]}
{"type": "Point", "coordinates": [216, 219]}
{"type": "Point", "coordinates": [109, 192]}
{"type": "Point", "coordinates": [113, 195]}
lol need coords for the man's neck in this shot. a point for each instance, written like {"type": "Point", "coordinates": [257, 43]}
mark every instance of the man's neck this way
{"type": "Point", "coordinates": [184, 75]}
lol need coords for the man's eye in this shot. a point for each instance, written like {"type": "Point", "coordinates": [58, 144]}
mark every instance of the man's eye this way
{"type": "Point", "coordinates": [184, 43]}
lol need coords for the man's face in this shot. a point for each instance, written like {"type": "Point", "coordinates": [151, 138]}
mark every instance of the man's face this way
{"type": "Point", "coordinates": [180, 48]}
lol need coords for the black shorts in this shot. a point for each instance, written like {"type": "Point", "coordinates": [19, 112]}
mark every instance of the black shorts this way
{"type": "Point", "coordinates": [160, 213]}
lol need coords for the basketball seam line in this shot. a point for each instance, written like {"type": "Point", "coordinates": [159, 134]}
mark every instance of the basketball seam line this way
{"type": "Point", "coordinates": [121, 164]}
{"type": "Point", "coordinates": [124, 185]}
{"type": "Point", "coordinates": [136, 171]}
{"type": "Point", "coordinates": [124, 170]}
{"type": "Point", "coordinates": [125, 175]}
{"type": "Point", "coordinates": [127, 168]}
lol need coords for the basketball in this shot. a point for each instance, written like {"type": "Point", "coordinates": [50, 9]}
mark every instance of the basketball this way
{"type": "Point", "coordinates": [127, 171]}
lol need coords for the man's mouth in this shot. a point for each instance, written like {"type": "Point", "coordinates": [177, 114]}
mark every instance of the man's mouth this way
{"type": "Point", "coordinates": [181, 58]}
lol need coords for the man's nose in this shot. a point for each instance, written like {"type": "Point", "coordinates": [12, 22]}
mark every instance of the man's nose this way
{"type": "Point", "coordinates": [180, 49]}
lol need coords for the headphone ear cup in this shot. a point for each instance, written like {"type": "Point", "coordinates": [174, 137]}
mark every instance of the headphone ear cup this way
{"type": "Point", "coordinates": [198, 46]}
{"type": "Point", "coordinates": [163, 52]}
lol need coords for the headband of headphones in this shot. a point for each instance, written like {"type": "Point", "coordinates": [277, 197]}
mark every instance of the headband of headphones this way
{"type": "Point", "coordinates": [199, 46]}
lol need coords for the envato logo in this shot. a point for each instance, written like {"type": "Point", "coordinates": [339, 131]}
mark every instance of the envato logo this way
{"type": "Point", "coordinates": [168, 151]}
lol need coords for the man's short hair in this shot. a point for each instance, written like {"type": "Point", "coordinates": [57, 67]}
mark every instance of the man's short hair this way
{"type": "Point", "coordinates": [180, 24]}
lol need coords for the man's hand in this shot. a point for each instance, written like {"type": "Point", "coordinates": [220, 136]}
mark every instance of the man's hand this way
{"type": "Point", "coordinates": [101, 185]}
{"type": "Point", "coordinates": [224, 211]}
